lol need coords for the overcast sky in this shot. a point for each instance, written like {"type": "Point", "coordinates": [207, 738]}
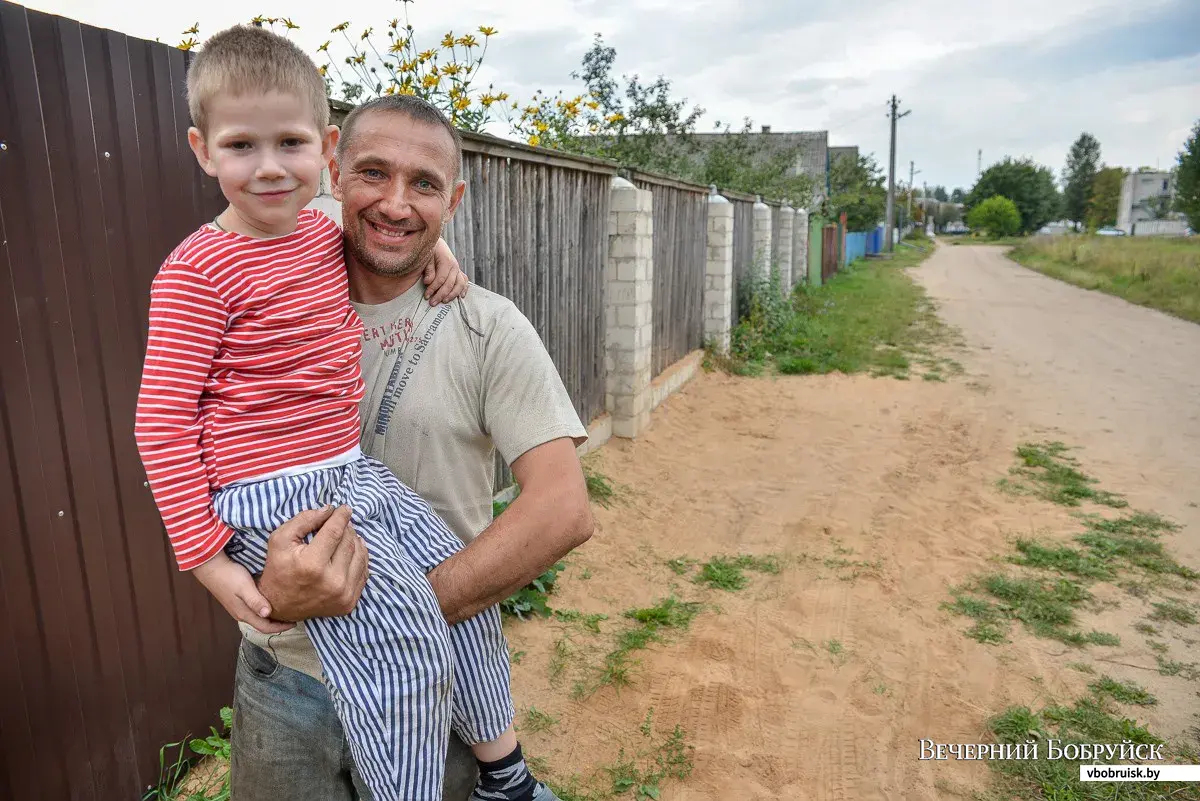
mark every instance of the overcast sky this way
{"type": "Point", "coordinates": [1018, 77]}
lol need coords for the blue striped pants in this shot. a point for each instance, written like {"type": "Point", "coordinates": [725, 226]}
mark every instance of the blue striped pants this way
{"type": "Point", "coordinates": [398, 675]}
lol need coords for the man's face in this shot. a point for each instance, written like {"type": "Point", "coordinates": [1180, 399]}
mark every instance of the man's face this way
{"type": "Point", "coordinates": [397, 184]}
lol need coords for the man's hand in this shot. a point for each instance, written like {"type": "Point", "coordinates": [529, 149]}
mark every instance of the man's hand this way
{"type": "Point", "coordinates": [444, 280]}
{"type": "Point", "coordinates": [320, 578]}
{"type": "Point", "coordinates": [233, 586]}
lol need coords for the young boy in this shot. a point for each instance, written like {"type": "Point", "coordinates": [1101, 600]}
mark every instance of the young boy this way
{"type": "Point", "coordinates": [248, 414]}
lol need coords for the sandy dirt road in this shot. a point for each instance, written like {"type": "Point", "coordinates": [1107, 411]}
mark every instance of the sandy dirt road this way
{"type": "Point", "coordinates": [1121, 380]}
{"type": "Point", "coordinates": [877, 495]}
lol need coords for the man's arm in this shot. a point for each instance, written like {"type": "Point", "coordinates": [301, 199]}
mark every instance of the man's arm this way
{"type": "Point", "coordinates": [547, 520]}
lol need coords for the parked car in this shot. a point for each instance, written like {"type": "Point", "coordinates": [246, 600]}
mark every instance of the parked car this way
{"type": "Point", "coordinates": [1109, 231]}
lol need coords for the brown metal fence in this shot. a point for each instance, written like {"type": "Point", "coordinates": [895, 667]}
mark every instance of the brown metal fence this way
{"type": "Point", "coordinates": [829, 252]}
{"type": "Point", "coordinates": [680, 249]}
{"type": "Point", "coordinates": [743, 248]}
{"type": "Point", "coordinates": [108, 652]}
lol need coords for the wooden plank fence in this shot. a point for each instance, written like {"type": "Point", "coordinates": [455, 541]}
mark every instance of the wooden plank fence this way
{"type": "Point", "coordinates": [680, 244]}
{"type": "Point", "coordinates": [743, 248]}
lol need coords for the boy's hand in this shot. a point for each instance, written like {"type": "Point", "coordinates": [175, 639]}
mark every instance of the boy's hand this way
{"type": "Point", "coordinates": [234, 587]}
{"type": "Point", "coordinates": [444, 280]}
{"type": "Point", "coordinates": [320, 578]}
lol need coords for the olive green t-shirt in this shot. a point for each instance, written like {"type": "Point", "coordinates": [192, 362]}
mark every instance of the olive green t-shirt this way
{"type": "Point", "coordinates": [448, 387]}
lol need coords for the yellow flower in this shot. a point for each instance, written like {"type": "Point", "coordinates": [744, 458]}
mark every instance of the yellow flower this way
{"type": "Point", "coordinates": [452, 68]}
{"type": "Point", "coordinates": [366, 34]}
{"type": "Point", "coordinates": [504, 96]}
{"type": "Point", "coordinates": [593, 105]}
{"type": "Point", "coordinates": [192, 30]}
{"type": "Point", "coordinates": [448, 40]}
{"type": "Point", "coordinates": [391, 90]}
{"type": "Point", "coordinates": [430, 81]}
{"type": "Point", "coordinates": [324, 48]}
{"type": "Point", "coordinates": [187, 44]}
{"type": "Point", "coordinates": [487, 100]}
{"type": "Point", "coordinates": [531, 110]}
{"type": "Point", "coordinates": [535, 140]}
{"type": "Point", "coordinates": [397, 47]}
{"type": "Point", "coordinates": [394, 24]}
{"type": "Point", "coordinates": [322, 69]}
{"type": "Point", "coordinates": [456, 92]}
{"type": "Point", "coordinates": [408, 66]}
{"type": "Point", "coordinates": [407, 90]}
{"type": "Point", "coordinates": [467, 41]}
{"type": "Point", "coordinates": [487, 30]}
{"type": "Point", "coordinates": [541, 127]}
{"type": "Point", "coordinates": [514, 105]}
{"type": "Point", "coordinates": [428, 54]}
{"type": "Point", "coordinates": [339, 28]}
{"type": "Point", "coordinates": [291, 26]}
{"type": "Point", "coordinates": [463, 103]}
{"type": "Point", "coordinates": [614, 118]}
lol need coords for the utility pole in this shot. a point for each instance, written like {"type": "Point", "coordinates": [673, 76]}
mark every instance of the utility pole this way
{"type": "Point", "coordinates": [911, 175]}
{"type": "Point", "coordinates": [979, 164]}
{"type": "Point", "coordinates": [891, 195]}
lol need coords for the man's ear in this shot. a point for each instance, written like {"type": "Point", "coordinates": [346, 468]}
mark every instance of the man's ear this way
{"type": "Point", "coordinates": [456, 197]}
{"type": "Point", "coordinates": [200, 148]}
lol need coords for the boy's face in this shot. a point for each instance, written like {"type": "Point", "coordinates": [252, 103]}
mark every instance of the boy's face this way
{"type": "Point", "coordinates": [267, 153]}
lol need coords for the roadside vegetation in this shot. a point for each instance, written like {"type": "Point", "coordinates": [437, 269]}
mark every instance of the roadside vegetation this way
{"type": "Point", "coordinates": [869, 318]}
{"type": "Point", "coordinates": [1163, 274]}
{"type": "Point", "coordinates": [1053, 582]}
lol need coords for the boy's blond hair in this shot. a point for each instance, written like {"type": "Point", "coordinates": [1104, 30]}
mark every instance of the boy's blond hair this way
{"type": "Point", "coordinates": [246, 58]}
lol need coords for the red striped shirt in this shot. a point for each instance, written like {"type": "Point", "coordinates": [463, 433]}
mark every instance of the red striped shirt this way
{"type": "Point", "coordinates": [252, 366]}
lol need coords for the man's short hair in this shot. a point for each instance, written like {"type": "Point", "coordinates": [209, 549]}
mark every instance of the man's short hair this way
{"type": "Point", "coordinates": [409, 106]}
{"type": "Point", "coordinates": [246, 58]}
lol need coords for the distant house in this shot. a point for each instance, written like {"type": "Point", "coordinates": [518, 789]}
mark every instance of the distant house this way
{"type": "Point", "coordinates": [814, 156]}
{"type": "Point", "coordinates": [1146, 199]}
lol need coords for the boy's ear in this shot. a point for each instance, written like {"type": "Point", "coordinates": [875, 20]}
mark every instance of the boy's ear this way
{"type": "Point", "coordinates": [200, 148]}
{"type": "Point", "coordinates": [329, 143]}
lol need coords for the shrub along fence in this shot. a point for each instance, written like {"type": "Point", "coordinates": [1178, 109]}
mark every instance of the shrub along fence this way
{"type": "Point", "coordinates": [109, 652]}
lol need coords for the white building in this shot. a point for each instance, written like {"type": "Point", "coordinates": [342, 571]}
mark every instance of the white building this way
{"type": "Point", "coordinates": [1143, 194]}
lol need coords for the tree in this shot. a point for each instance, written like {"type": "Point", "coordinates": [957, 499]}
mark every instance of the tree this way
{"type": "Point", "coordinates": [939, 194]}
{"type": "Point", "coordinates": [1106, 197]}
{"type": "Point", "coordinates": [958, 195]}
{"type": "Point", "coordinates": [856, 187]}
{"type": "Point", "coordinates": [1187, 179]}
{"type": "Point", "coordinates": [1083, 162]}
{"type": "Point", "coordinates": [944, 214]}
{"type": "Point", "coordinates": [736, 161]}
{"type": "Point", "coordinates": [1028, 185]}
{"type": "Point", "coordinates": [996, 215]}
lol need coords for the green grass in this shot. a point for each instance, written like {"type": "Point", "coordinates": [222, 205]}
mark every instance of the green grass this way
{"type": "Point", "coordinates": [600, 488]}
{"type": "Point", "coordinates": [1175, 611]}
{"type": "Point", "coordinates": [871, 318]}
{"type": "Point", "coordinates": [1091, 719]}
{"type": "Point", "coordinates": [1061, 559]}
{"type": "Point", "coordinates": [589, 622]}
{"type": "Point", "coordinates": [1046, 608]}
{"type": "Point", "coordinates": [642, 774]}
{"type": "Point", "coordinates": [1125, 692]}
{"type": "Point", "coordinates": [1157, 272]}
{"type": "Point", "coordinates": [728, 572]}
{"type": "Point", "coordinates": [1047, 472]}
{"type": "Point", "coordinates": [175, 781]}
{"type": "Point", "coordinates": [537, 720]}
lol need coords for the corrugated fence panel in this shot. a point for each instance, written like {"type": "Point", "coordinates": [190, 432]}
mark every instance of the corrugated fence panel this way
{"type": "Point", "coordinates": [109, 652]}
{"type": "Point", "coordinates": [856, 247]}
{"type": "Point", "coordinates": [743, 251]}
{"type": "Point", "coordinates": [680, 248]}
{"type": "Point", "coordinates": [537, 234]}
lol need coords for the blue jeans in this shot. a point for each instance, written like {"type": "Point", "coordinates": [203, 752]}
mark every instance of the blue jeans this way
{"type": "Point", "coordinates": [287, 741]}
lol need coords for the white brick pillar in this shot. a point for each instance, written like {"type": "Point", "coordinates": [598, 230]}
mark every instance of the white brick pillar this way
{"type": "Point", "coordinates": [629, 280]}
{"type": "Point", "coordinates": [718, 271]}
{"type": "Point", "coordinates": [762, 236]}
{"type": "Point", "coordinates": [800, 247]}
{"type": "Point", "coordinates": [783, 255]}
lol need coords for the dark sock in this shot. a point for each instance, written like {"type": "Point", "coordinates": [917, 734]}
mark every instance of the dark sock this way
{"type": "Point", "coordinates": [506, 779]}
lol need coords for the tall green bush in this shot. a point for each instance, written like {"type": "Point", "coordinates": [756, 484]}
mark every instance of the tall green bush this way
{"type": "Point", "coordinates": [997, 215]}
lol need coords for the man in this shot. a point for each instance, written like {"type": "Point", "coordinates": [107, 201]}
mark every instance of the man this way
{"type": "Point", "coordinates": [446, 387]}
